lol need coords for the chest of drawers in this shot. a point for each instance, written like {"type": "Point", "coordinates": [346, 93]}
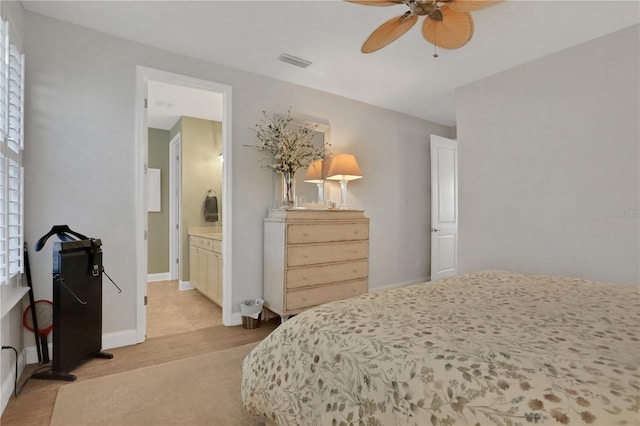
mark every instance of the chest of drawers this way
{"type": "Point", "coordinates": [313, 257]}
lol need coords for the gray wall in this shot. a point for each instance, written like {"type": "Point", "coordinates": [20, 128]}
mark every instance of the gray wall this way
{"type": "Point", "coordinates": [549, 164]}
{"type": "Point", "coordinates": [80, 101]}
{"type": "Point", "coordinates": [158, 222]}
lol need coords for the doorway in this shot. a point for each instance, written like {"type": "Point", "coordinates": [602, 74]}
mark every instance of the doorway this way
{"type": "Point", "coordinates": [145, 78]}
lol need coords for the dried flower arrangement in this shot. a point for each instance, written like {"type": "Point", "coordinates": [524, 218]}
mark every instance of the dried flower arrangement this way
{"type": "Point", "coordinates": [292, 147]}
{"type": "Point", "coordinates": [289, 143]}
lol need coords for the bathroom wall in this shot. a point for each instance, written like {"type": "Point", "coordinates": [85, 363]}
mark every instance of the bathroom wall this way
{"type": "Point", "coordinates": [158, 222]}
{"type": "Point", "coordinates": [201, 143]}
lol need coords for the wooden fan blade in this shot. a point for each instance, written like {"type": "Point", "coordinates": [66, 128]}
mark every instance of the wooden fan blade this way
{"type": "Point", "coordinates": [453, 31]}
{"type": "Point", "coordinates": [376, 2]}
{"type": "Point", "coordinates": [469, 5]}
{"type": "Point", "coordinates": [388, 32]}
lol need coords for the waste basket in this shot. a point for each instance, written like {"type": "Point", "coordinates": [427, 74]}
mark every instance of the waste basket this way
{"type": "Point", "coordinates": [251, 310]}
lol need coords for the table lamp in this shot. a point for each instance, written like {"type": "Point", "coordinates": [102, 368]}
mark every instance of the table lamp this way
{"type": "Point", "coordinates": [344, 168]}
{"type": "Point", "coordinates": [314, 175]}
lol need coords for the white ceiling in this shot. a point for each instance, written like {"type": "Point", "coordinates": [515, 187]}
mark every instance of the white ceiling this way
{"type": "Point", "coordinates": [167, 103]}
{"type": "Point", "coordinates": [250, 35]}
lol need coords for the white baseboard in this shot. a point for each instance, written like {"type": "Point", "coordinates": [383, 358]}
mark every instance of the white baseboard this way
{"type": "Point", "coordinates": [162, 276]}
{"type": "Point", "coordinates": [8, 383]}
{"type": "Point", "coordinates": [109, 341]}
{"type": "Point", "coordinates": [236, 319]}
{"type": "Point", "coordinates": [31, 353]}
{"type": "Point", "coordinates": [185, 285]}
{"type": "Point", "coordinates": [119, 339]}
{"type": "Point", "coordinates": [398, 285]}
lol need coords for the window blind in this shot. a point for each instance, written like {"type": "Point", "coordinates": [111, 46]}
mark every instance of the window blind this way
{"type": "Point", "coordinates": [11, 149]}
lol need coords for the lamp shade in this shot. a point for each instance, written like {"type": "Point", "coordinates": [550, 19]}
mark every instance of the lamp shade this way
{"type": "Point", "coordinates": [314, 172]}
{"type": "Point", "coordinates": [344, 167]}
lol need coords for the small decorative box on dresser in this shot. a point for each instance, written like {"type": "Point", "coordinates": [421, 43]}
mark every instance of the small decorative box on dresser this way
{"type": "Point", "coordinates": [313, 257]}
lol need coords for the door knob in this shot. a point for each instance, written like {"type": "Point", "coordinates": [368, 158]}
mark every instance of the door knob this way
{"type": "Point", "coordinates": [435, 229]}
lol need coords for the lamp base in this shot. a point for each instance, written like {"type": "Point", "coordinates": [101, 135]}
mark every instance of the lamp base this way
{"type": "Point", "coordinates": [320, 193]}
{"type": "Point", "coordinates": [343, 195]}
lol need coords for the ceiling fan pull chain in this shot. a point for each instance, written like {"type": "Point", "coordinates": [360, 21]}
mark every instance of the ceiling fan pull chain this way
{"type": "Point", "coordinates": [435, 46]}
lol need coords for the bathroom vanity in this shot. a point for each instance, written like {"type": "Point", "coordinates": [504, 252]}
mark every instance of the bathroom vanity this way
{"type": "Point", "coordinates": [205, 263]}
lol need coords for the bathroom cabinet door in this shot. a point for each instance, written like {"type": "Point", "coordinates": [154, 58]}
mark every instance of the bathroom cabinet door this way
{"type": "Point", "coordinates": [213, 269]}
{"type": "Point", "coordinates": [219, 256]}
{"type": "Point", "coordinates": [205, 267]}
{"type": "Point", "coordinates": [203, 272]}
{"type": "Point", "coordinates": [193, 265]}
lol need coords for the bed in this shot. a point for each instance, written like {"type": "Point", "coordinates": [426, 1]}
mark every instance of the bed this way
{"type": "Point", "coordinates": [489, 348]}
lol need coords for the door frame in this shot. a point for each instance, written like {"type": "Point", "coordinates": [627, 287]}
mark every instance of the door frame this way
{"type": "Point", "coordinates": [175, 195]}
{"type": "Point", "coordinates": [143, 75]}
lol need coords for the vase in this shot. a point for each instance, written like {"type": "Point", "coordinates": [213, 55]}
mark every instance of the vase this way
{"type": "Point", "coordinates": [285, 191]}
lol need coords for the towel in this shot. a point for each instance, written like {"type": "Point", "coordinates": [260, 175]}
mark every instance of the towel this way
{"type": "Point", "coordinates": [211, 208]}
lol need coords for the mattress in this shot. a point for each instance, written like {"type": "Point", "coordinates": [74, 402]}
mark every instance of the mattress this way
{"type": "Point", "coordinates": [489, 348]}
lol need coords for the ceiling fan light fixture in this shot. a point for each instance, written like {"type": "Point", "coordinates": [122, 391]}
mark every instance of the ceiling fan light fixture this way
{"type": "Point", "coordinates": [436, 15]}
{"type": "Point", "coordinates": [294, 60]}
{"type": "Point", "coordinates": [452, 32]}
{"type": "Point", "coordinates": [450, 19]}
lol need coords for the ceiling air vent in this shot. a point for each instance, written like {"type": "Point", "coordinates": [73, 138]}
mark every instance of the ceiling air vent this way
{"type": "Point", "coordinates": [294, 60]}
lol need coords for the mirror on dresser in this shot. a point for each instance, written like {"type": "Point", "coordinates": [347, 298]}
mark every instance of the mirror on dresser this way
{"type": "Point", "coordinates": [308, 192]}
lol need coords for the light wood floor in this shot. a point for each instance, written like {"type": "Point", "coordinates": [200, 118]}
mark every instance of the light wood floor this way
{"type": "Point", "coordinates": [34, 404]}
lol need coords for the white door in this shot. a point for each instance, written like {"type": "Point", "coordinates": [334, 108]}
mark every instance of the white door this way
{"type": "Point", "coordinates": [444, 207]}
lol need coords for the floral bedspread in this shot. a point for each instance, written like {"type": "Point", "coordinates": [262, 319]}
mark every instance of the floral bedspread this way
{"type": "Point", "coordinates": [490, 348]}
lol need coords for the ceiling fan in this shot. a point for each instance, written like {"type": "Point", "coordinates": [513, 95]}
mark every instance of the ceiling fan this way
{"type": "Point", "coordinates": [447, 24]}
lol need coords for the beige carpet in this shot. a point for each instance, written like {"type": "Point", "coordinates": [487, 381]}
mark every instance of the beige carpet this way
{"type": "Point", "coordinates": [202, 390]}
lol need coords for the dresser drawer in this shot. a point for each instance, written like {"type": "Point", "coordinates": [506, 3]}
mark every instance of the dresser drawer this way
{"type": "Point", "coordinates": [327, 253]}
{"type": "Point", "coordinates": [326, 274]}
{"type": "Point", "coordinates": [306, 298]}
{"type": "Point", "coordinates": [326, 232]}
